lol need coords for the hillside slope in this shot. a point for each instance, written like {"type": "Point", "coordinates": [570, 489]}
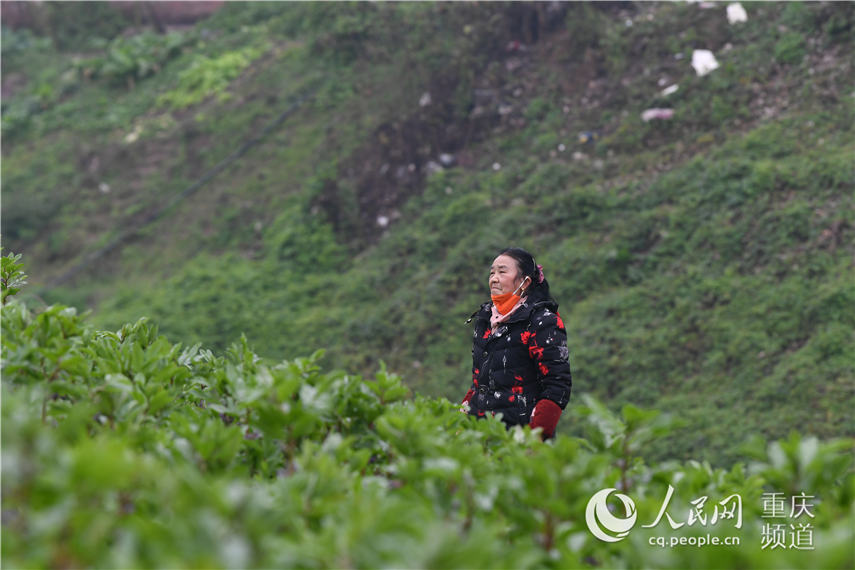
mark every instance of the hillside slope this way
{"type": "Point", "coordinates": [704, 264]}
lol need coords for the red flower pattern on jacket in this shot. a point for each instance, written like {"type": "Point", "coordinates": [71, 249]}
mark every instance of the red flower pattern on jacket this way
{"type": "Point", "coordinates": [524, 378]}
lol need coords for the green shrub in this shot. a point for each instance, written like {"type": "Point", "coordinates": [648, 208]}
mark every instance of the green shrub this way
{"type": "Point", "coordinates": [797, 16]}
{"type": "Point", "coordinates": [130, 59]}
{"type": "Point", "coordinates": [11, 276]}
{"type": "Point", "coordinates": [790, 48]}
{"type": "Point", "coordinates": [121, 449]}
{"type": "Point", "coordinates": [206, 77]}
{"type": "Point", "coordinates": [17, 41]}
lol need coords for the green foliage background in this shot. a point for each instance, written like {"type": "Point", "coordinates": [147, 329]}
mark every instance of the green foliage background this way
{"type": "Point", "coordinates": [121, 449]}
{"type": "Point", "coordinates": [704, 265]}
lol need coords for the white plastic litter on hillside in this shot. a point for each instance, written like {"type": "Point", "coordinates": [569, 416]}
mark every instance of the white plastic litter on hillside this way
{"type": "Point", "coordinates": [736, 13]}
{"type": "Point", "coordinates": [703, 61]}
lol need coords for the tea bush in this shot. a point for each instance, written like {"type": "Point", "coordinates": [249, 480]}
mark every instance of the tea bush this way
{"type": "Point", "coordinates": [121, 449]}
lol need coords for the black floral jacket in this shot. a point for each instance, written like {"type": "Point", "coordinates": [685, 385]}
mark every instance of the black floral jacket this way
{"type": "Point", "coordinates": [524, 361]}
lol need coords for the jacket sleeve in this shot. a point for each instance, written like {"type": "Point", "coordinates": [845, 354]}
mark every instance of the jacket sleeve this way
{"type": "Point", "coordinates": [548, 347]}
{"type": "Point", "coordinates": [477, 360]}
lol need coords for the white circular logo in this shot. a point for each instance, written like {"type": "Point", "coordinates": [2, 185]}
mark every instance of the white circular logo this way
{"type": "Point", "coordinates": [600, 520]}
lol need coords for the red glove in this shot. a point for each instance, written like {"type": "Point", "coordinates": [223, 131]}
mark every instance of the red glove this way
{"type": "Point", "coordinates": [545, 415]}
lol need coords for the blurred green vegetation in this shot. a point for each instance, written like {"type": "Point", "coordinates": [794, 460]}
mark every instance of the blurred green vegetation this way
{"type": "Point", "coordinates": [127, 60]}
{"type": "Point", "coordinates": [704, 265]}
{"type": "Point", "coordinates": [122, 449]}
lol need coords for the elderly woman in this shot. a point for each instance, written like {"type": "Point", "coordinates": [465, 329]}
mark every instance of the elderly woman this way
{"type": "Point", "coordinates": [519, 356]}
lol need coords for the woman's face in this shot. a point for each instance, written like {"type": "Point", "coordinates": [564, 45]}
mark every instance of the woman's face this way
{"type": "Point", "coordinates": [505, 276]}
